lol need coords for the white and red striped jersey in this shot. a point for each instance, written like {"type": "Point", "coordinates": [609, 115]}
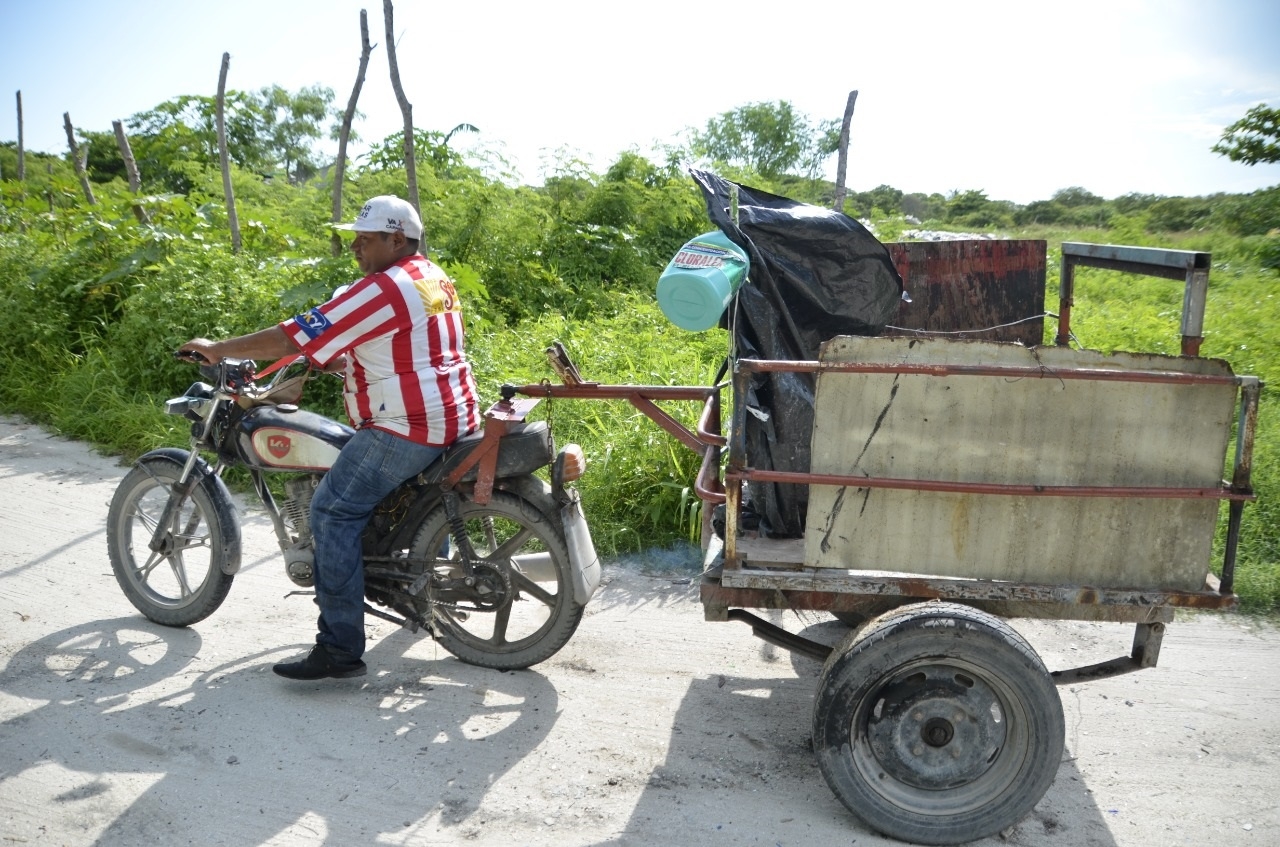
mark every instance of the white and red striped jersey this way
{"type": "Point", "coordinates": [406, 373]}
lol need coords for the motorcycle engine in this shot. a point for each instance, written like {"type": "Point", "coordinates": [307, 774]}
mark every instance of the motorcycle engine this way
{"type": "Point", "coordinates": [299, 558]}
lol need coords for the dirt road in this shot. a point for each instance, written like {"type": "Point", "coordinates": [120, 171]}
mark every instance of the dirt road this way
{"type": "Point", "coordinates": [652, 727]}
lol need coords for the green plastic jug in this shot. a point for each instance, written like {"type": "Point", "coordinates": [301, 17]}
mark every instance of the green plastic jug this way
{"type": "Point", "coordinates": [700, 281]}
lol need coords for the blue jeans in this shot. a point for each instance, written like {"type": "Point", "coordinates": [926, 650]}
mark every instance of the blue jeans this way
{"type": "Point", "coordinates": [371, 465]}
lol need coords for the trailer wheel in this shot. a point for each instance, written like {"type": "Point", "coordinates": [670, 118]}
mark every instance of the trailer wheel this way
{"type": "Point", "coordinates": [937, 724]}
{"type": "Point", "coordinates": [867, 609]}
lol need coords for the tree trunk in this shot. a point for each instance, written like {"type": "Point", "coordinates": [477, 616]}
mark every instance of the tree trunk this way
{"type": "Point", "coordinates": [232, 220]}
{"type": "Point", "coordinates": [22, 155]}
{"type": "Point", "coordinates": [130, 168]}
{"type": "Point", "coordinates": [410, 165]}
{"type": "Point", "coordinates": [340, 167]}
{"type": "Point", "coordinates": [842, 161]}
{"type": "Point", "coordinates": [77, 162]}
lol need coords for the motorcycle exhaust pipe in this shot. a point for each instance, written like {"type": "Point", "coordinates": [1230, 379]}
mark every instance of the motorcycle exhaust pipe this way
{"type": "Point", "coordinates": [536, 566]}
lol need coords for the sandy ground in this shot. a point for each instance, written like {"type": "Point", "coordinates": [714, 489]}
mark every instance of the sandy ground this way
{"type": "Point", "coordinates": [651, 727]}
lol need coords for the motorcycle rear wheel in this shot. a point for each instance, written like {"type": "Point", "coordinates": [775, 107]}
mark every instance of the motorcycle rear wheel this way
{"type": "Point", "coordinates": [542, 614]}
{"type": "Point", "coordinates": [188, 580]}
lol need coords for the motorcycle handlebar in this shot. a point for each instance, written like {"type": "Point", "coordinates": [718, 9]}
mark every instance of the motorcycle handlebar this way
{"type": "Point", "coordinates": [190, 356]}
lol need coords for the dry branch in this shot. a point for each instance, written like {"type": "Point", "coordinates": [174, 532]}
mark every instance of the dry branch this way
{"type": "Point", "coordinates": [77, 162]}
{"type": "Point", "coordinates": [232, 220]}
{"type": "Point", "coordinates": [22, 155]}
{"type": "Point", "coordinates": [406, 109]}
{"type": "Point", "coordinates": [131, 169]}
{"type": "Point", "coordinates": [340, 167]}
{"type": "Point", "coordinates": [842, 161]}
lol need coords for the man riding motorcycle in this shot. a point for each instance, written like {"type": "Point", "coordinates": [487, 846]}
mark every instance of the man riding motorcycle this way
{"type": "Point", "coordinates": [397, 336]}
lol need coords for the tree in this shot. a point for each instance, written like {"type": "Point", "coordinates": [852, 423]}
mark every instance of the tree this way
{"type": "Point", "coordinates": [974, 208]}
{"type": "Point", "coordinates": [1127, 204]}
{"type": "Point", "coordinates": [1076, 196]}
{"type": "Point", "coordinates": [1178, 214]}
{"type": "Point", "coordinates": [293, 123]}
{"type": "Point", "coordinates": [268, 129]}
{"type": "Point", "coordinates": [430, 146]}
{"type": "Point", "coordinates": [181, 135]}
{"type": "Point", "coordinates": [769, 139]}
{"type": "Point", "coordinates": [1253, 139]}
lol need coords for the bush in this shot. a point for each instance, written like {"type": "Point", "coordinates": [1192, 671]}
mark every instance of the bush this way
{"type": "Point", "coordinates": [1249, 214]}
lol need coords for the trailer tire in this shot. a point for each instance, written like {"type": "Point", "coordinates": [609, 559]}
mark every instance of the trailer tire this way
{"type": "Point", "coordinates": [867, 609]}
{"type": "Point", "coordinates": [937, 724]}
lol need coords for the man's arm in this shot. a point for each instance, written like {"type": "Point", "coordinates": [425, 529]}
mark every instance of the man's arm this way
{"type": "Point", "coordinates": [269, 343]}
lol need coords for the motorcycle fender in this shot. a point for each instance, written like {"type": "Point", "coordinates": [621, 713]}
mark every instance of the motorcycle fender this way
{"type": "Point", "coordinates": [577, 535]}
{"type": "Point", "coordinates": [218, 493]}
{"type": "Point", "coordinates": [582, 550]}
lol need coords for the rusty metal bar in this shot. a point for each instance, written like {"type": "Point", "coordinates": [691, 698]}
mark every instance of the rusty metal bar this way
{"type": "Point", "coordinates": [709, 423]}
{"type": "Point", "coordinates": [642, 397]}
{"type": "Point", "coordinates": [668, 423]}
{"type": "Point", "coordinates": [1241, 477]}
{"type": "Point", "coordinates": [1010, 372]}
{"type": "Point", "coordinates": [779, 637]}
{"type": "Point", "coordinates": [1146, 651]}
{"type": "Point", "coordinates": [1066, 300]}
{"type": "Point", "coordinates": [1188, 265]}
{"type": "Point", "coordinates": [804, 587]}
{"type": "Point", "coordinates": [717, 601]}
{"type": "Point", "coordinates": [596, 391]}
{"type": "Point", "coordinates": [1224, 493]}
{"type": "Point", "coordinates": [707, 485]}
{"type": "Point", "coordinates": [498, 416]}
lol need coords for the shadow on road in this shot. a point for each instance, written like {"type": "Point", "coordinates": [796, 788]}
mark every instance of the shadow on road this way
{"type": "Point", "coordinates": [341, 762]}
{"type": "Point", "coordinates": [711, 754]}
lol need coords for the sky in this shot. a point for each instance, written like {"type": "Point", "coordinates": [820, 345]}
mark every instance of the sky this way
{"type": "Point", "coordinates": [1016, 99]}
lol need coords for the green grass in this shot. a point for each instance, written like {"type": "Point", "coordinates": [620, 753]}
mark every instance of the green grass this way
{"type": "Point", "coordinates": [1118, 311]}
{"type": "Point", "coordinates": [638, 486]}
{"type": "Point", "coordinates": [105, 382]}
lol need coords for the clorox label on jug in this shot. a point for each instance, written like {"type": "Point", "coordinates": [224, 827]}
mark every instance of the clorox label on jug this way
{"type": "Point", "coordinates": [694, 255]}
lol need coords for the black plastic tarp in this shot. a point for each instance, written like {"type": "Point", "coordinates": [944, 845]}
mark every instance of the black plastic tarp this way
{"type": "Point", "coordinates": [815, 274]}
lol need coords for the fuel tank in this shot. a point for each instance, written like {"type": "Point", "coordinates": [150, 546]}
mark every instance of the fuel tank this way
{"type": "Point", "coordinates": [288, 438]}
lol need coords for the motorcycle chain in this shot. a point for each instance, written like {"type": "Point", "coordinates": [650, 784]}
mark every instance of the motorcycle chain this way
{"type": "Point", "coordinates": [416, 587]}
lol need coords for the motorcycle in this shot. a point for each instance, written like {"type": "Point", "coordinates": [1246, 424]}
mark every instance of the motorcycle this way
{"type": "Point", "coordinates": [477, 551]}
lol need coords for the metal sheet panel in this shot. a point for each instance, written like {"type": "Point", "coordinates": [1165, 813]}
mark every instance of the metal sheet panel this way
{"type": "Point", "coordinates": [1017, 431]}
{"type": "Point", "coordinates": [971, 285]}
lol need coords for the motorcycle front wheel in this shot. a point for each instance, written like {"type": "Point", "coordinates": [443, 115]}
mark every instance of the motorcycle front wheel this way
{"type": "Point", "coordinates": [189, 577]}
{"type": "Point", "coordinates": [539, 615]}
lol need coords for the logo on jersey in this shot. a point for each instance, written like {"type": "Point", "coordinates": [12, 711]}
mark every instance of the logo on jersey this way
{"type": "Point", "coordinates": [313, 322]}
{"type": "Point", "coordinates": [438, 295]}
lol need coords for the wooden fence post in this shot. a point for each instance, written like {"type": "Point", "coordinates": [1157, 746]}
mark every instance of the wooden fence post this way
{"type": "Point", "coordinates": [77, 161]}
{"type": "Point", "coordinates": [842, 161]}
{"type": "Point", "coordinates": [22, 155]}
{"type": "Point", "coordinates": [340, 167]}
{"type": "Point", "coordinates": [232, 220]}
{"type": "Point", "coordinates": [131, 169]}
{"type": "Point", "coordinates": [410, 163]}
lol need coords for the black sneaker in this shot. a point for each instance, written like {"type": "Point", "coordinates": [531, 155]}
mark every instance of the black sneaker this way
{"type": "Point", "coordinates": [321, 664]}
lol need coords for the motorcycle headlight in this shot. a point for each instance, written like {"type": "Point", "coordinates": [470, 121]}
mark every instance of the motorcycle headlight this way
{"type": "Point", "coordinates": [191, 408]}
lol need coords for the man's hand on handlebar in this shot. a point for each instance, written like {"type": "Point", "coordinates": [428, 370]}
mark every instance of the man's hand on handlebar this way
{"type": "Point", "coordinates": [198, 350]}
{"type": "Point", "coordinates": [336, 365]}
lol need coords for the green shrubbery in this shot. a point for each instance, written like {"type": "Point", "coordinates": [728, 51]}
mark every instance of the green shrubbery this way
{"type": "Point", "coordinates": [92, 303]}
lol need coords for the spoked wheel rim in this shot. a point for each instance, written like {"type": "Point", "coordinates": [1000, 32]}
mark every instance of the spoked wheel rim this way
{"type": "Point", "coordinates": [172, 577]}
{"type": "Point", "coordinates": [508, 553]}
{"type": "Point", "coordinates": [940, 737]}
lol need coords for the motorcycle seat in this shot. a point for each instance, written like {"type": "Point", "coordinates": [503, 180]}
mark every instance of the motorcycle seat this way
{"type": "Point", "coordinates": [525, 448]}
